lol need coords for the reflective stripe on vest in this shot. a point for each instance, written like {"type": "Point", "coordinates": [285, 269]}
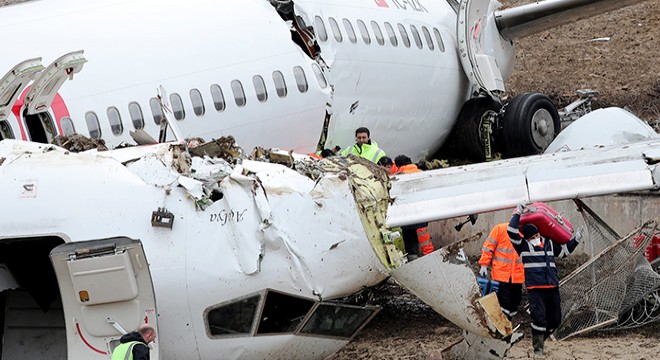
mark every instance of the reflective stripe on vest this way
{"type": "Point", "coordinates": [424, 240]}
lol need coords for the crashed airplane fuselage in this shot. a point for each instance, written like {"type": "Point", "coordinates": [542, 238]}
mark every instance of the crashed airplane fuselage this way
{"type": "Point", "coordinates": [241, 258]}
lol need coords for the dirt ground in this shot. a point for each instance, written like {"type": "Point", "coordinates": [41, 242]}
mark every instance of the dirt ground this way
{"type": "Point", "coordinates": [625, 71]}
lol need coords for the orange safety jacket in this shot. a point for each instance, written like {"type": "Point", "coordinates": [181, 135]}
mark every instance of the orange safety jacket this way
{"type": "Point", "coordinates": [423, 236]}
{"type": "Point", "coordinates": [506, 264]}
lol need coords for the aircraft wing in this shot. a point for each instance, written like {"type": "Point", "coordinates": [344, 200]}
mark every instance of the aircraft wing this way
{"type": "Point", "coordinates": [463, 190]}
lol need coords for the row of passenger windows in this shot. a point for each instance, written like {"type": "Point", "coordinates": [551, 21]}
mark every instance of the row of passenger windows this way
{"type": "Point", "coordinates": [378, 33]}
{"type": "Point", "coordinates": [197, 101]}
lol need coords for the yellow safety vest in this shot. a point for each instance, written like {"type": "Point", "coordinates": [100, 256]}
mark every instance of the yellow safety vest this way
{"type": "Point", "coordinates": [125, 351]}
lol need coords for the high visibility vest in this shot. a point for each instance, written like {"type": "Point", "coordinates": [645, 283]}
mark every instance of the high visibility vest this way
{"type": "Point", "coordinates": [370, 152]}
{"type": "Point", "coordinates": [498, 252]}
{"type": "Point", "coordinates": [424, 239]}
{"type": "Point", "coordinates": [125, 351]}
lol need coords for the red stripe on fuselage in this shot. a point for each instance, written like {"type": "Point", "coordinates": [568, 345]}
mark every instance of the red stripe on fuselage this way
{"type": "Point", "coordinates": [58, 106]}
{"type": "Point", "coordinates": [381, 3]}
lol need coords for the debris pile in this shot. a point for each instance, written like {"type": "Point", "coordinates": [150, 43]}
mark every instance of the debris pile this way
{"type": "Point", "coordinates": [78, 143]}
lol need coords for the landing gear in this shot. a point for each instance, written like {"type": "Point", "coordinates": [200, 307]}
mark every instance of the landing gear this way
{"type": "Point", "coordinates": [530, 123]}
{"type": "Point", "coordinates": [467, 136]}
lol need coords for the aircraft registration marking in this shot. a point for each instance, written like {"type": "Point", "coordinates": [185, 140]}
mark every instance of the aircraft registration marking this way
{"type": "Point", "coordinates": [407, 5]}
{"type": "Point", "coordinates": [224, 217]}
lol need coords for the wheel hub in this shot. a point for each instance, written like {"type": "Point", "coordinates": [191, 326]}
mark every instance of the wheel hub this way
{"type": "Point", "coordinates": [543, 129]}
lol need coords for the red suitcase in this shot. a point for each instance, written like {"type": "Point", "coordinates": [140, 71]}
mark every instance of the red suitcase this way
{"type": "Point", "coordinates": [548, 221]}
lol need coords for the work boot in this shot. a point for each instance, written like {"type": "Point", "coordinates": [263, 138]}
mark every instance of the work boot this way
{"type": "Point", "coordinates": [537, 343]}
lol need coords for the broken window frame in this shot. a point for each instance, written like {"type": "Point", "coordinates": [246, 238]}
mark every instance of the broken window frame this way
{"type": "Point", "coordinates": [93, 125]}
{"type": "Point", "coordinates": [114, 120]}
{"type": "Point", "coordinates": [178, 109]}
{"type": "Point", "coordinates": [309, 328]}
{"type": "Point", "coordinates": [137, 117]}
{"type": "Point", "coordinates": [320, 77]}
{"type": "Point", "coordinates": [285, 312]}
{"type": "Point", "coordinates": [246, 324]}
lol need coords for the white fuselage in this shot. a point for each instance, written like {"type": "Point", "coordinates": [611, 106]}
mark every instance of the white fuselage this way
{"type": "Point", "coordinates": [407, 92]}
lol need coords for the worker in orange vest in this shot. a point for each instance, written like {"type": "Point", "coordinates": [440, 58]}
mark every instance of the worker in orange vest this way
{"type": "Point", "coordinates": [507, 268]}
{"type": "Point", "coordinates": [416, 235]}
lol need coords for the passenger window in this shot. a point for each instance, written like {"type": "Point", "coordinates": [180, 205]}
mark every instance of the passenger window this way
{"type": "Point", "coordinates": [301, 80]}
{"type": "Point", "coordinates": [415, 34]}
{"type": "Point", "coordinates": [320, 29]}
{"type": "Point", "coordinates": [349, 30]}
{"type": "Point", "coordinates": [335, 29]}
{"type": "Point", "coordinates": [364, 32]}
{"type": "Point", "coordinates": [156, 110]}
{"type": "Point", "coordinates": [135, 112]}
{"type": "Point", "coordinates": [115, 121]}
{"type": "Point", "coordinates": [438, 38]}
{"type": "Point", "coordinates": [404, 35]}
{"type": "Point", "coordinates": [319, 75]}
{"type": "Point", "coordinates": [378, 33]}
{"type": "Point", "coordinates": [280, 84]}
{"type": "Point", "coordinates": [197, 102]}
{"type": "Point", "coordinates": [427, 36]}
{"type": "Point", "coordinates": [218, 97]}
{"type": "Point", "coordinates": [177, 106]}
{"type": "Point", "coordinates": [93, 125]}
{"type": "Point", "coordinates": [239, 94]}
{"type": "Point", "coordinates": [391, 34]}
{"type": "Point", "coordinates": [67, 126]}
{"type": "Point", "coordinates": [260, 88]}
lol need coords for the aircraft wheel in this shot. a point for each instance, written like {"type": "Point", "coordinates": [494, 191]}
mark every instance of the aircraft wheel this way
{"type": "Point", "coordinates": [530, 123]}
{"type": "Point", "coordinates": [467, 132]}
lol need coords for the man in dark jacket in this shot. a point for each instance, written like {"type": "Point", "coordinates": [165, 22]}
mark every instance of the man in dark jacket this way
{"type": "Point", "coordinates": [541, 276]}
{"type": "Point", "coordinates": [136, 342]}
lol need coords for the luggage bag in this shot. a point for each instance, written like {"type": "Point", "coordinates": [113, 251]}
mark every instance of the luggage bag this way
{"type": "Point", "coordinates": [548, 221]}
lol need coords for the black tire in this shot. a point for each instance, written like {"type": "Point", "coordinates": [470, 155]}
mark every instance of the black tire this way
{"type": "Point", "coordinates": [466, 136]}
{"type": "Point", "coordinates": [530, 123]}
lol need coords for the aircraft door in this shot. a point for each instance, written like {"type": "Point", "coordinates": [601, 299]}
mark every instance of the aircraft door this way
{"type": "Point", "coordinates": [11, 86]}
{"type": "Point", "coordinates": [478, 43]}
{"type": "Point", "coordinates": [106, 290]}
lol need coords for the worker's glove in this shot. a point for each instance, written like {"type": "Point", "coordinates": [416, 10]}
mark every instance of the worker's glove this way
{"type": "Point", "coordinates": [519, 209]}
{"type": "Point", "coordinates": [578, 234]}
{"type": "Point", "coordinates": [483, 272]}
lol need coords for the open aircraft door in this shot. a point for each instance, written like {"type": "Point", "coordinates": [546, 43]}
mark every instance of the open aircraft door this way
{"type": "Point", "coordinates": [11, 86]}
{"type": "Point", "coordinates": [479, 43]}
{"type": "Point", "coordinates": [38, 121]}
{"type": "Point", "coordinates": [106, 290]}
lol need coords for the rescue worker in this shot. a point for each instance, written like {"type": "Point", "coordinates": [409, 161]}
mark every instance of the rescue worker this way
{"type": "Point", "coordinates": [507, 268]}
{"type": "Point", "coordinates": [364, 146]}
{"type": "Point", "coordinates": [417, 235]}
{"type": "Point", "coordinates": [541, 277]}
{"type": "Point", "coordinates": [135, 345]}
{"type": "Point", "coordinates": [388, 164]}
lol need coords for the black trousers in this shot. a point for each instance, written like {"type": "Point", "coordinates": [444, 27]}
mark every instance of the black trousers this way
{"type": "Point", "coordinates": [545, 308]}
{"type": "Point", "coordinates": [510, 296]}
